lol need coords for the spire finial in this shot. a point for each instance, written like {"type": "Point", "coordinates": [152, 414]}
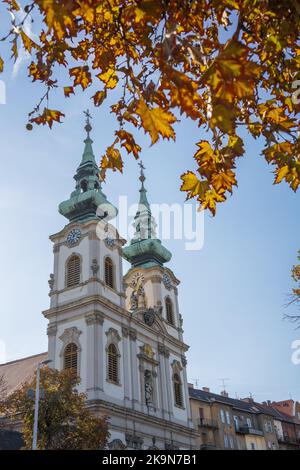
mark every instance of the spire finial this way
{"type": "Point", "coordinates": [142, 175]}
{"type": "Point", "coordinates": [88, 126]}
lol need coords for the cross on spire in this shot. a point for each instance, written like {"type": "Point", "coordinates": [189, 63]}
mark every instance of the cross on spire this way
{"type": "Point", "coordinates": [142, 176]}
{"type": "Point", "coordinates": [88, 126]}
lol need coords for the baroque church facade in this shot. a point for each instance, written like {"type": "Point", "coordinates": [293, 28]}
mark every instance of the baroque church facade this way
{"type": "Point", "coordinates": [121, 333]}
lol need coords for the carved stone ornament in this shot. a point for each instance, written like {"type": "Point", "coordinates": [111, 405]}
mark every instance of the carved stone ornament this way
{"type": "Point", "coordinates": [95, 267]}
{"type": "Point", "coordinates": [149, 316]}
{"type": "Point", "coordinates": [94, 318]}
{"type": "Point", "coordinates": [134, 441]}
{"type": "Point", "coordinates": [116, 444]}
{"type": "Point", "coordinates": [113, 335]}
{"type": "Point", "coordinates": [71, 335]}
{"type": "Point", "coordinates": [51, 282]}
{"type": "Point", "coordinates": [147, 350]}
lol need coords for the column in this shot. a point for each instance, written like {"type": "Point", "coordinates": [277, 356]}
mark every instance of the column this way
{"type": "Point", "coordinates": [51, 332]}
{"type": "Point", "coordinates": [126, 367]}
{"type": "Point", "coordinates": [162, 382]}
{"type": "Point", "coordinates": [169, 383]}
{"type": "Point", "coordinates": [94, 357]}
{"type": "Point", "coordinates": [134, 370]}
{"type": "Point", "coordinates": [186, 391]}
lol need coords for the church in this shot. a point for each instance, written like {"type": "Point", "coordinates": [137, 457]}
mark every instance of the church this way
{"type": "Point", "coordinates": [122, 333]}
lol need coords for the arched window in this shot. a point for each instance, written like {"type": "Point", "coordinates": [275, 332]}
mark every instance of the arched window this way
{"type": "Point", "coordinates": [112, 362]}
{"type": "Point", "coordinates": [73, 271]}
{"type": "Point", "coordinates": [84, 186]}
{"type": "Point", "coordinates": [169, 311]}
{"type": "Point", "coordinates": [71, 357]}
{"type": "Point", "coordinates": [109, 272]}
{"type": "Point", "coordinates": [177, 390]}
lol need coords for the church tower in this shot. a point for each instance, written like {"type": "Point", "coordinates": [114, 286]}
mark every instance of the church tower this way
{"type": "Point", "coordinates": [121, 334]}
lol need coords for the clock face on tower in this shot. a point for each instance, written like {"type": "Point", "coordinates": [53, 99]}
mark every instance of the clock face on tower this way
{"type": "Point", "coordinates": [167, 281]}
{"type": "Point", "coordinates": [74, 236]}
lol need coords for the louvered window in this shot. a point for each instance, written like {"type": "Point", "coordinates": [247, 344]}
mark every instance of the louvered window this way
{"type": "Point", "coordinates": [73, 271]}
{"type": "Point", "coordinates": [169, 311]}
{"type": "Point", "coordinates": [109, 272]}
{"type": "Point", "coordinates": [113, 373]}
{"type": "Point", "coordinates": [177, 390]}
{"type": "Point", "coordinates": [71, 357]}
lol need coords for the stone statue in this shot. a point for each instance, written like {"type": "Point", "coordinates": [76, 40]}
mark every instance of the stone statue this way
{"type": "Point", "coordinates": [148, 388]}
{"type": "Point", "coordinates": [51, 282]}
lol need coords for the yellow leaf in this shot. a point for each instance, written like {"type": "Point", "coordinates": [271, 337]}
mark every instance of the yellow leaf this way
{"type": "Point", "coordinates": [1, 64]}
{"type": "Point", "coordinates": [127, 141]}
{"type": "Point", "coordinates": [81, 75]}
{"type": "Point", "coordinates": [223, 118]}
{"type": "Point", "coordinates": [68, 90]}
{"type": "Point", "coordinates": [191, 184]}
{"type": "Point", "coordinates": [281, 173]}
{"type": "Point", "coordinates": [156, 121]}
{"type": "Point", "coordinates": [27, 42]}
{"type": "Point", "coordinates": [112, 159]}
{"type": "Point", "coordinates": [99, 97]}
{"type": "Point", "coordinates": [109, 78]}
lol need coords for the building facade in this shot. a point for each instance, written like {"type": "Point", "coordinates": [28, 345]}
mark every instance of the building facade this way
{"type": "Point", "coordinates": [122, 334]}
{"type": "Point", "coordinates": [225, 423]}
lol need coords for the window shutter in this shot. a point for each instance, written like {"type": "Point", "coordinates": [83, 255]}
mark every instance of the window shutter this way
{"type": "Point", "coordinates": [73, 271]}
{"type": "Point", "coordinates": [113, 372]}
{"type": "Point", "coordinates": [169, 311]}
{"type": "Point", "coordinates": [71, 357]}
{"type": "Point", "coordinates": [109, 272]}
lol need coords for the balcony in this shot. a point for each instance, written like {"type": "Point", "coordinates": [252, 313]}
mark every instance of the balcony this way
{"type": "Point", "coordinates": [207, 423]}
{"type": "Point", "coordinates": [248, 430]}
{"type": "Point", "coordinates": [286, 439]}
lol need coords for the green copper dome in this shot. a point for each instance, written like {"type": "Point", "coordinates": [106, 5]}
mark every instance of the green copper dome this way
{"type": "Point", "coordinates": [145, 249]}
{"type": "Point", "coordinates": [87, 201]}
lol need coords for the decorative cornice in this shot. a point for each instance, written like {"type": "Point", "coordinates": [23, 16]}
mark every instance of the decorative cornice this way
{"type": "Point", "coordinates": [101, 301]}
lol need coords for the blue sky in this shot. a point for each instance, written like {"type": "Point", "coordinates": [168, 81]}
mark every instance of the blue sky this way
{"type": "Point", "coordinates": [232, 292]}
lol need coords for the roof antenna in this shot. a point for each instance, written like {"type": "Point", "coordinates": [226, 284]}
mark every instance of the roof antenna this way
{"type": "Point", "coordinates": [224, 380]}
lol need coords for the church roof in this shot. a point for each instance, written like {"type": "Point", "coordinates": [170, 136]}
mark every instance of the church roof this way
{"type": "Point", "coordinates": [87, 201]}
{"type": "Point", "coordinates": [18, 372]}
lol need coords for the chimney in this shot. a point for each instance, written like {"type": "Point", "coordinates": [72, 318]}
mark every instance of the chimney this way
{"type": "Point", "coordinates": [206, 389]}
{"type": "Point", "coordinates": [248, 400]}
{"type": "Point", "coordinates": [224, 394]}
{"type": "Point", "coordinates": [190, 385]}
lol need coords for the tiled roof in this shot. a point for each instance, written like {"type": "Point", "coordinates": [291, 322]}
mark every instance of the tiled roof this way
{"type": "Point", "coordinates": [250, 407]}
{"type": "Point", "coordinates": [20, 371]}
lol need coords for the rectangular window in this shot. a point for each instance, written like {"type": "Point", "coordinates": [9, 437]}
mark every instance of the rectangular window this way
{"type": "Point", "coordinates": [226, 441]}
{"type": "Point", "coordinates": [231, 442]}
{"type": "Point", "coordinates": [268, 426]}
{"type": "Point", "coordinates": [222, 416]}
{"type": "Point", "coordinates": [249, 423]}
{"type": "Point", "coordinates": [253, 446]}
{"type": "Point", "coordinates": [228, 421]}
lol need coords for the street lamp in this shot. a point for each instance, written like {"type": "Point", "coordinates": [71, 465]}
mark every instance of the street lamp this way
{"type": "Point", "coordinates": [36, 404]}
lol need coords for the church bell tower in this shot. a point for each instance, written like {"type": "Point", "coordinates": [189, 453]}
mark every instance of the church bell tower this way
{"type": "Point", "coordinates": [122, 335]}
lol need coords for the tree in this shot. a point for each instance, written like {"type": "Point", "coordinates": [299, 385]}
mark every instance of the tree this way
{"type": "Point", "coordinates": [225, 64]}
{"type": "Point", "coordinates": [3, 392]}
{"type": "Point", "coordinates": [295, 294]}
{"type": "Point", "coordinates": [64, 420]}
